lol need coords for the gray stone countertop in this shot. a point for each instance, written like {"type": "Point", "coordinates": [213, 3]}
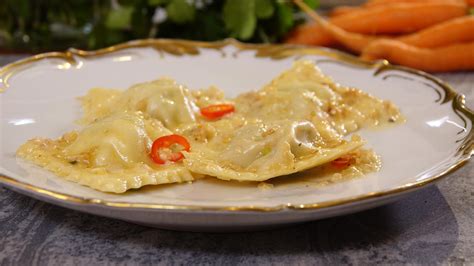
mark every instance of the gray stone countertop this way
{"type": "Point", "coordinates": [432, 226]}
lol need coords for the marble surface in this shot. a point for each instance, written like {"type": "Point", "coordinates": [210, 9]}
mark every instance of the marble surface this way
{"type": "Point", "coordinates": [432, 226]}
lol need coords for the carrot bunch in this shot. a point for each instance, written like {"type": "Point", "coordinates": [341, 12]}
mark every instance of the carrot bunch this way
{"type": "Point", "coordinates": [431, 35]}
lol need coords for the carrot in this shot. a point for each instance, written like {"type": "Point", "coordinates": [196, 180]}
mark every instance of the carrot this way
{"type": "Point", "coordinates": [343, 10]}
{"type": "Point", "coordinates": [399, 18]}
{"type": "Point", "coordinates": [393, 18]}
{"type": "Point", "coordinates": [453, 57]}
{"type": "Point", "coordinates": [372, 3]}
{"type": "Point", "coordinates": [310, 34]}
{"type": "Point", "coordinates": [452, 31]}
{"type": "Point", "coordinates": [353, 41]}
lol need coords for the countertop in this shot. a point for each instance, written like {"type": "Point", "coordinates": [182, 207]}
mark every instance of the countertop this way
{"type": "Point", "coordinates": [433, 225]}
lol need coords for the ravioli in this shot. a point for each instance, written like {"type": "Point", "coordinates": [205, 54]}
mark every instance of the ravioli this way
{"type": "Point", "coordinates": [109, 155]}
{"type": "Point", "coordinates": [358, 109]}
{"type": "Point", "coordinates": [162, 99]}
{"type": "Point", "coordinates": [97, 104]}
{"type": "Point", "coordinates": [300, 105]}
{"type": "Point", "coordinates": [257, 151]}
{"type": "Point", "coordinates": [209, 96]}
{"type": "Point", "coordinates": [304, 92]}
{"type": "Point", "coordinates": [301, 92]}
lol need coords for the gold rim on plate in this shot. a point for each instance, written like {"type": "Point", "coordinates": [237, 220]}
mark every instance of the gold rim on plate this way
{"type": "Point", "coordinates": [183, 47]}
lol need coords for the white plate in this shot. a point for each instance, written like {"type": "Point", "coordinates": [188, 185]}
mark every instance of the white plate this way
{"type": "Point", "coordinates": [39, 100]}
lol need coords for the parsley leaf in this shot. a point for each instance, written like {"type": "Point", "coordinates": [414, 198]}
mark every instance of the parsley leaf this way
{"type": "Point", "coordinates": [157, 2]}
{"type": "Point", "coordinates": [312, 3]}
{"type": "Point", "coordinates": [180, 11]}
{"type": "Point", "coordinates": [285, 17]}
{"type": "Point", "coordinates": [264, 8]}
{"type": "Point", "coordinates": [119, 18]}
{"type": "Point", "coordinates": [239, 18]}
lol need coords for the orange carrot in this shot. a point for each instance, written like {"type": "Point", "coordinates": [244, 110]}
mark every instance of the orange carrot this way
{"type": "Point", "coordinates": [448, 32]}
{"type": "Point", "coordinates": [393, 18]}
{"type": "Point", "coordinates": [353, 41]}
{"type": "Point", "coordinates": [343, 10]}
{"type": "Point", "coordinates": [452, 31]}
{"type": "Point", "coordinates": [372, 3]}
{"type": "Point", "coordinates": [310, 34]}
{"type": "Point", "coordinates": [454, 57]}
{"type": "Point", "coordinates": [399, 18]}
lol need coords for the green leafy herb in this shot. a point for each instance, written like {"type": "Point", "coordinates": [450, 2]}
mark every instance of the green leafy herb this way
{"type": "Point", "coordinates": [312, 3]}
{"type": "Point", "coordinates": [180, 11]}
{"type": "Point", "coordinates": [239, 17]}
{"type": "Point", "coordinates": [119, 18]}
{"type": "Point", "coordinates": [264, 8]}
{"type": "Point", "coordinates": [285, 17]}
{"type": "Point", "coordinates": [158, 2]}
{"type": "Point", "coordinates": [35, 26]}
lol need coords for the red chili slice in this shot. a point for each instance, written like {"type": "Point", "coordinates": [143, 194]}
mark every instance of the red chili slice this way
{"type": "Point", "coordinates": [217, 111]}
{"type": "Point", "coordinates": [343, 162]}
{"type": "Point", "coordinates": [166, 142]}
